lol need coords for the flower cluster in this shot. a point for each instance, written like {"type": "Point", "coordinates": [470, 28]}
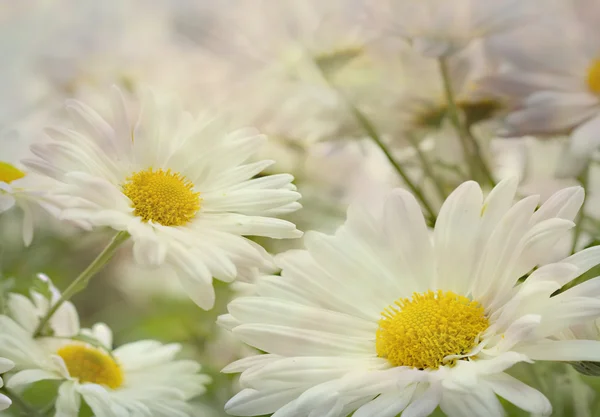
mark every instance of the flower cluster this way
{"type": "Point", "coordinates": [446, 155]}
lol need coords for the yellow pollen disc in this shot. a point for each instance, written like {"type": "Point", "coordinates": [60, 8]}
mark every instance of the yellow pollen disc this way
{"type": "Point", "coordinates": [163, 197]}
{"type": "Point", "coordinates": [593, 78]}
{"type": "Point", "coordinates": [89, 364]}
{"type": "Point", "coordinates": [420, 332]}
{"type": "Point", "coordinates": [9, 173]}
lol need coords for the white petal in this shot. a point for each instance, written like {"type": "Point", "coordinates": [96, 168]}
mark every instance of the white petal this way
{"type": "Point", "coordinates": [249, 362]}
{"type": "Point", "coordinates": [562, 350]}
{"type": "Point", "coordinates": [563, 204]}
{"type": "Point", "coordinates": [5, 402]}
{"type": "Point", "coordinates": [586, 138]}
{"type": "Point", "coordinates": [494, 277]}
{"type": "Point", "coordinates": [387, 405]}
{"type": "Point", "coordinates": [6, 202]}
{"type": "Point", "coordinates": [29, 376]}
{"type": "Point", "coordinates": [199, 291]}
{"type": "Point", "coordinates": [68, 401]}
{"type": "Point", "coordinates": [585, 259]}
{"type": "Point", "coordinates": [273, 311]}
{"type": "Point", "coordinates": [250, 402]}
{"type": "Point", "coordinates": [424, 404]}
{"type": "Point", "coordinates": [287, 341]}
{"type": "Point", "coordinates": [520, 394]}
{"type": "Point", "coordinates": [408, 235]}
{"type": "Point", "coordinates": [5, 365]}
{"type": "Point", "coordinates": [455, 237]}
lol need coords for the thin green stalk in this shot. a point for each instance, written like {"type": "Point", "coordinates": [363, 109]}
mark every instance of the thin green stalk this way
{"type": "Point", "coordinates": [583, 179]}
{"type": "Point", "coordinates": [469, 143]}
{"type": "Point", "coordinates": [427, 168]}
{"type": "Point", "coordinates": [20, 403]}
{"type": "Point", "coordinates": [373, 134]}
{"type": "Point", "coordinates": [83, 279]}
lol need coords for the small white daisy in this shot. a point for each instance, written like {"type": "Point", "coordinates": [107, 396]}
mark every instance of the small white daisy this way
{"type": "Point", "coordinates": [439, 28]}
{"type": "Point", "coordinates": [382, 318]}
{"type": "Point", "coordinates": [183, 188]}
{"type": "Point", "coordinates": [553, 76]}
{"type": "Point", "coordinates": [18, 186]}
{"type": "Point", "coordinates": [137, 379]}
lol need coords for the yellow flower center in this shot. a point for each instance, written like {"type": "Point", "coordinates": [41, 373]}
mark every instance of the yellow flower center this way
{"type": "Point", "coordinates": [9, 173]}
{"type": "Point", "coordinates": [163, 197]}
{"type": "Point", "coordinates": [420, 332]}
{"type": "Point", "coordinates": [89, 364]}
{"type": "Point", "coordinates": [593, 78]}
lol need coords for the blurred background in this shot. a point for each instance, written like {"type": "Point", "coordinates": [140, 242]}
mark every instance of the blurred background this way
{"type": "Point", "coordinates": [295, 69]}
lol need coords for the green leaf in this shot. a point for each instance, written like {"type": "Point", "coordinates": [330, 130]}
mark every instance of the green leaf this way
{"type": "Point", "coordinates": [587, 368]}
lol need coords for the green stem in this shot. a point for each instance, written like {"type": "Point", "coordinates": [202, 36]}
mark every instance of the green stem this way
{"type": "Point", "coordinates": [427, 168]}
{"type": "Point", "coordinates": [583, 179]}
{"type": "Point", "coordinates": [20, 403]}
{"type": "Point", "coordinates": [83, 279]}
{"type": "Point", "coordinates": [373, 134]}
{"type": "Point", "coordinates": [469, 144]}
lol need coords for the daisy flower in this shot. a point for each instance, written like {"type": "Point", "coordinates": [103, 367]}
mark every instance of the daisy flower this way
{"type": "Point", "coordinates": [438, 28]}
{"type": "Point", "coordinates": [553, 76]}
{"type": "Point", "coordinates": [141, 378]}
{"type": "Point", "coordinates": [287, 54]}
{"type": "Point", "coordinates": [18, 186]}
{"type": "Point", "coordinates": [183, 188]}
{"type": "Point", "coordinates": [386, 317]}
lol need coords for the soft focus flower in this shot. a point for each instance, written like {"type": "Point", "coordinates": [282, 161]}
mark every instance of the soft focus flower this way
{"type": "Point", "coordinates": [139, 378]}
{"type": "Point", "coordinates": [553, 76]}
{"type": "Point", "coordinates": [285, 56]}
{"type": "Point", "coordinates": [440, 28]}
{"type": "Point", "coordinates": [181, 187]}
{"type": "Point", "coordinates": [28, 312]}
{"type": "Point", "coordinates": [379, 318]}
{"type": "Point", "coordinates": [20, 187]}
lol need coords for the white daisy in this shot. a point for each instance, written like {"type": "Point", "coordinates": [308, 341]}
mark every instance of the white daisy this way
{"type": "Point", "coordinates": [554, 76]}
{"type": "Point", "coordinates": [439, 28]}
{"type": "Point", "coordinates": [18, 186]}
{"type": "Point", "coordinates": [381, 319]}
{"type": "Point", "coordinates": [182, 188]}
{"type": "Point", "coordinates": [137, 379]}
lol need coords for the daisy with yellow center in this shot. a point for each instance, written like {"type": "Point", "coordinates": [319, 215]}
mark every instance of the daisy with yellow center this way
{"type": "Point", "coordinates": [182, 187]}
{"type": "Point", "coordinates": [18, 187]}
{"type": "Point", "coordinates": [113, 382]}
{"type": "Point", "coordinates": [552, 80]}
{"type": "Point", "coordinates": [387, 317]}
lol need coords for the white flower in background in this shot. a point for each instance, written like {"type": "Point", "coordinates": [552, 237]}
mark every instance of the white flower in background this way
{"type": "Point", "coordinates": [5, 366]}
{"type": "Point", "coordinates": [181, 187]}
{"type": "Point", "coordinates": [381, 319]}
{"type": "Point", "coordinates": [20, 187]}
{"type": "Point", "coordinates": [553, 76]}
{"type": "Point", "coordinates": [284, 55]}
{"type": "Point", "coordinates": [139, 378]}
{"type": "Point", "coordinates": [440, 28]}
{"type": "Point", "coordinates": [27, 312]}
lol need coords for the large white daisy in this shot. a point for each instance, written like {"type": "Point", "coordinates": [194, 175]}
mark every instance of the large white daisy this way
{"type": "Point", "coordinates": [136, 379]}
{"type": "Point", "coordinates": [385, 317]}
{"type": "Point", "coordinates": [183, 188]}
{"type": "Point", "coordinates": [553, 76]}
